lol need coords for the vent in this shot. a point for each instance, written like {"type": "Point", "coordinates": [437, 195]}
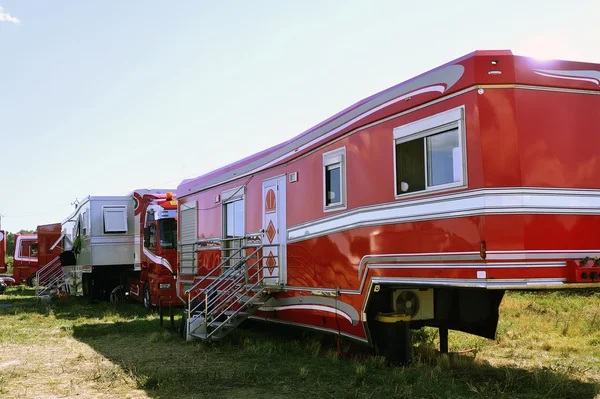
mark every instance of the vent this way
{"type": "Point", "coordinates": [188, 225]}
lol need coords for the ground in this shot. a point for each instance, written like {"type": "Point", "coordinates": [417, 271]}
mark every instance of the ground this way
{"type": "Point", "coordinates": [548, 346]}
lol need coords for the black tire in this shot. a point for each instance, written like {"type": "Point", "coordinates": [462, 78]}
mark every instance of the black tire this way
{"type": "Point", "coordinates": [147, 298]}
{"type": "Point", "coordinates": [31, 280]}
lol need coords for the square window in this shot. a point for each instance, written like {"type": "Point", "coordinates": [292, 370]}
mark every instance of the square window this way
{"type": "Point", "coordinates": [115, 219]}
{"type": "Point", "coordinates": [334, 179]}
{"type": "Point", "coordinates": [333, 184]}
{"type": "Point", "coordinates": [429, 153]}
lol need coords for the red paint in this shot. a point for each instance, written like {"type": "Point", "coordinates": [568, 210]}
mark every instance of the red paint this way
{"type": "Point", "coordinates": [32, 252]}
{"type": "Point", "coordinates": [154, 273]}
{"type": "Point", "coordinates": [2, 251]}
{"type": "Point", "coordinates": [519, 135]}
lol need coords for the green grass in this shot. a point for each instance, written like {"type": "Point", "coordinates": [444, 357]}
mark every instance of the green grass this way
{"type": "Point", "coordinates": [548, 346]}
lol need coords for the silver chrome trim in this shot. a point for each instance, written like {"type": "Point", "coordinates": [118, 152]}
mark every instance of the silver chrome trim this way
{"type": "Point", "coordinates": [474, 283]}
{"type": "Point", "coordinates": [477, 202]}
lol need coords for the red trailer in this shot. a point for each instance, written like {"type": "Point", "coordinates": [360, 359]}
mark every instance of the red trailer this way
{"type": "Point", "coordinates": [32, 252]}
{"type": "Point", "coordinates": [2, 251]}
{"type": "Point", "coordinates": [418, 206]}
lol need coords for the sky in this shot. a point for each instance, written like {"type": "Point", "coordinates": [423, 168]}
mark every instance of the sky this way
{"type": "Point", "coordinates": [104, 97]}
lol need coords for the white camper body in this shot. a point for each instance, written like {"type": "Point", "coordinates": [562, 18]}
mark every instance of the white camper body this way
{"type": "Point", "coordinates": [104, 232]}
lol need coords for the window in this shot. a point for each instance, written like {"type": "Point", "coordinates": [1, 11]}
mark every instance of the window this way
{"type": "Point", "coordinates": [115, 219]}
{"type": "Point", "coordinates": [168, 233]}
{"type": "Point", "coordinates": [29, 249]}
{"type": "Point", "coordinates": [334, 179]}
{"type": "Point", "coordinates": [234, 231]}
{"type": "Point", "coordinates": [430, 153]}
{"type": "Point", "coordinates": [84, 220]}
{"type": "Point", "coordinates": [234, 217]}
{"type": "Point", "coordinates": [150, 236]}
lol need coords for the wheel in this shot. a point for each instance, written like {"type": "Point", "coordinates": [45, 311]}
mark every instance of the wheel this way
{"type": "Point", "coordinates": [147, 296]}
{"type": "Point", "coordinates": [31, 281]}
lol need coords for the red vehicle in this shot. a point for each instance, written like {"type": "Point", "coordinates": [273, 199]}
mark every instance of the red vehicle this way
{"type": "Point", "coordinates": [2, 251]}
{"type": "Point", "coordinates": [32, 251]}
{"type": "Point", "coordinates": [418, 206]}
{"type": "Point", "coordinates": [124, 243]}
{"type": "Point", "coordinates": [156, 215]}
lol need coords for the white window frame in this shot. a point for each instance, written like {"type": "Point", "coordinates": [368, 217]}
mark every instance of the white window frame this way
{"type": "Point", "coordinates": [430, 126]}
{"type": "Point", "coordinates": [123, 209]}
{"type": "Point", "coordinates": [224, 214]}
{"type": "Point", "coordinates": [337, 156]}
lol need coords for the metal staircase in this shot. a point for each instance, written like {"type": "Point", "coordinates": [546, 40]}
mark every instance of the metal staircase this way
{"type": "Point", "coordinates": [49, 278]}
{"type": "Point", "coordinates": [232, 291]}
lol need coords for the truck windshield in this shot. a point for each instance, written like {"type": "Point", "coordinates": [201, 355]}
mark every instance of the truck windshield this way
{"type": "Point", "coordinates": [168, 233]}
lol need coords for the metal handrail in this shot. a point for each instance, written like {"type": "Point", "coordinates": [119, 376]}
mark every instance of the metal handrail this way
{"type": "Point", "coordinates": [223, 303]}
{"type": "Point", "coordinates": [187, 292]}
{"type": "Point", "coordinates": [237, 311]}
{"type": "Point", "coordinates": [227, 280]}
{"type": "Point", "coordinates": [230, 257]}
{"type": "Point", "coordinates": [47, 269]}
{"type": "Point", "coordinates": [240, 273]}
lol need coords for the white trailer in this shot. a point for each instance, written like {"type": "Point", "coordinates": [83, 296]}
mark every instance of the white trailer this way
{"type": "Point", "coordinates": [103, 241]}
{"type": "Point", "coordinates": [103, 237]}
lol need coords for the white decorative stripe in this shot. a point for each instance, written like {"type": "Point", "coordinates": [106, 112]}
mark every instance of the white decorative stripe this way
{"type": "Point", "coordinates": [475, 283]}
{"type": "Point", "coordinates": [470, 203]}
{"type": "Point", "coordinates": [26, 259]}
{"type": "Point", "coordinates": [582, 75]}
{"type": "Point", "coordinates": [428, 89]}
{"type": "Point", "coordinates": [158, 259]}
{"type": "Point", "coordinates": [307, 307]}
{"type": "Point", "coordinates": [441, 266]}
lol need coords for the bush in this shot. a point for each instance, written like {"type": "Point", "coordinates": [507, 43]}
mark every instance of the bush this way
{"type": "Point", "coordinates": [9, 265]}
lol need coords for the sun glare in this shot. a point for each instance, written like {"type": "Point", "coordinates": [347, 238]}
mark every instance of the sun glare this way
{"type": "Point", "coordinates": [545, 48]}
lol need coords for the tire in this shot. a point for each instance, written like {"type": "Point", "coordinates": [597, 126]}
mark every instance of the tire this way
{"type": "Point", "coordinates": [147, 299]}
{"type": "Point", "coordinates": [31, 280]}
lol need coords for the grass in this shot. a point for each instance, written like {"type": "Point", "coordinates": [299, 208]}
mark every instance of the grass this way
{"type": "Point", "coordinates": [548, 346]}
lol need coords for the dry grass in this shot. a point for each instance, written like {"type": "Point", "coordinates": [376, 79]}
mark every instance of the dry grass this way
{"type": "Point", "coordinates": [548, 347]}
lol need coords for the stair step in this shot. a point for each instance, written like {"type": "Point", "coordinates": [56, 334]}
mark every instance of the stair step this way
{"type": "Point", "coordinates": [205, 337]}
{"type": "Point", "coordinates": [222, 324]}
{"type": "Point", "coordinates": [238, 314]}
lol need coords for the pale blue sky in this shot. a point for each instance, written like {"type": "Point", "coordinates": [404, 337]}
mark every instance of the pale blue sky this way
{"type": "Point", "coordinates": [103, 97]}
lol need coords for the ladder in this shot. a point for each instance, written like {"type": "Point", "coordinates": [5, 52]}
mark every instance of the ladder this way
{"type": "Point", "coordinates": [49, 278]}
{"type": "Point", "coordinates": [231, 292]}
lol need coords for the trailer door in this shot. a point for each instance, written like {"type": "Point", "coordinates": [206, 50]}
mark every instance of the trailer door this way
{"type": "Point", "coordinates": [274, 226]}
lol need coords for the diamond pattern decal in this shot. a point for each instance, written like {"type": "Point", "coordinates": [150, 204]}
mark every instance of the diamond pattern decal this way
{"type": "Point", "coordinates": [271, 232]}
{"type": "Point", "coordinates": [271, 262]}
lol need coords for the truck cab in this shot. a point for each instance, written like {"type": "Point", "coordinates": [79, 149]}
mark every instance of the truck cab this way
{"type": "Point", "coordinates": [26, 262]}
{"type": "Point", "coordinates": [155, 283]}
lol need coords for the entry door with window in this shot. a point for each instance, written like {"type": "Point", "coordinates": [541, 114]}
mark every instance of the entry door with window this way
{"type": "Point", "coordinates": [274, 226]}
